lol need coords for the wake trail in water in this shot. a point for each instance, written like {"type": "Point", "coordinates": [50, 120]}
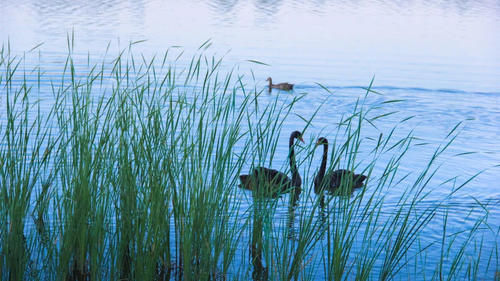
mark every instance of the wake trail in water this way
{"type": "Point", "coordinates": [395, 88]}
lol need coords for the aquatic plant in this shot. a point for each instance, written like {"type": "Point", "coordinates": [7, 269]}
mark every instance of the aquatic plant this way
{"type": "Point", "coordinates": [130, 169]}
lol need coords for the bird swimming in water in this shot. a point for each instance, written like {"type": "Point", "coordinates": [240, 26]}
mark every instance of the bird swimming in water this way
{"type": "Point", "coordinates": [272, 182]}
{"type": "Point", "coordinates": [332, 180]}
{"type": "Point", "coordinates": [282, 86]}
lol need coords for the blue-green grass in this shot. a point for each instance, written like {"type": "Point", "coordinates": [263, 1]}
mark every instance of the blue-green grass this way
{"type": "Point", "coordinates": [132, 174]}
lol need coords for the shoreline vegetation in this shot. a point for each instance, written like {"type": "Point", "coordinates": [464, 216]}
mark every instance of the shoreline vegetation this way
{"type": "Point", "coordinates": [132, 173]}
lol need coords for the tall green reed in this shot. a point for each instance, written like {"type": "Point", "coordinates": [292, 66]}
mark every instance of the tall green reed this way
{"type": "Point", "coordinates": [21, 162]}
{"type": "Point", "coordinates": [133, 174]}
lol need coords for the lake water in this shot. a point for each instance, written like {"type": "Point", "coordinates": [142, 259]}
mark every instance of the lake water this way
{"type": "Point", "coordinates": [441, 57]}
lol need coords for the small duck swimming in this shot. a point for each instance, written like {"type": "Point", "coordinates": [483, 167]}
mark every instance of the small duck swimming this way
{"type": "Point", "coordinates": [282, 86]}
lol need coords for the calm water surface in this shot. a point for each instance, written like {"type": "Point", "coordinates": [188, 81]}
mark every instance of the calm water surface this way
{"type": "Point", "coordinates": [441, 57]}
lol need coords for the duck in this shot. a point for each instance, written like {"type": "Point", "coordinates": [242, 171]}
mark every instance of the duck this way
{"type": "Point", "coordinates": [332, 180]}
{"type": "Point", "coordinates": [282, 86]}
{"type": "Point", "coordinates": [271, 182]}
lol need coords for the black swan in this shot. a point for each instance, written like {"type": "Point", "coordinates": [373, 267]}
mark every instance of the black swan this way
{"type": "Point", "coordinates": [333, 179]}
{"type": "Point", "coordinates": [275, 181]}
{"type": "Point", "coordinates": [282, 86]}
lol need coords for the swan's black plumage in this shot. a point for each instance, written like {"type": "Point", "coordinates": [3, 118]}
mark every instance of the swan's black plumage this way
{"type": "Point", "coordinates": [332, 180]}
{"type": "Point", "coordinates": [272, 181]}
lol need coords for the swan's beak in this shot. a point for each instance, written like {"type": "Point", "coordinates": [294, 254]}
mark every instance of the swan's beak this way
{"type": "Point", "coordinates": [301, 139]}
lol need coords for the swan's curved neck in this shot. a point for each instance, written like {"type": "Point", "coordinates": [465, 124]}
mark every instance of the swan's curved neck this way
{"type": "Point", "coordinates": [322, 168]}
{"type": "Point", "coordinates": [270, 82]}
{"type": "Point", "coordinates": [293, 166]}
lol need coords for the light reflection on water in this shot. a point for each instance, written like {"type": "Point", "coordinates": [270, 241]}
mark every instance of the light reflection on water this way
{"type": "Point", "coordinates": [441, 57]}
{"type": "Point", "coordinates": [427, 44]}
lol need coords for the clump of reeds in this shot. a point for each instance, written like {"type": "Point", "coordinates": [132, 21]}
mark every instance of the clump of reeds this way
{"type": "Point", "coordinates": [133, 172]}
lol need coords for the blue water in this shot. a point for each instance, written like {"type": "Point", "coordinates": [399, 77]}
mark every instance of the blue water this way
{"type": "Point", "coordinates": [441, 57]}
